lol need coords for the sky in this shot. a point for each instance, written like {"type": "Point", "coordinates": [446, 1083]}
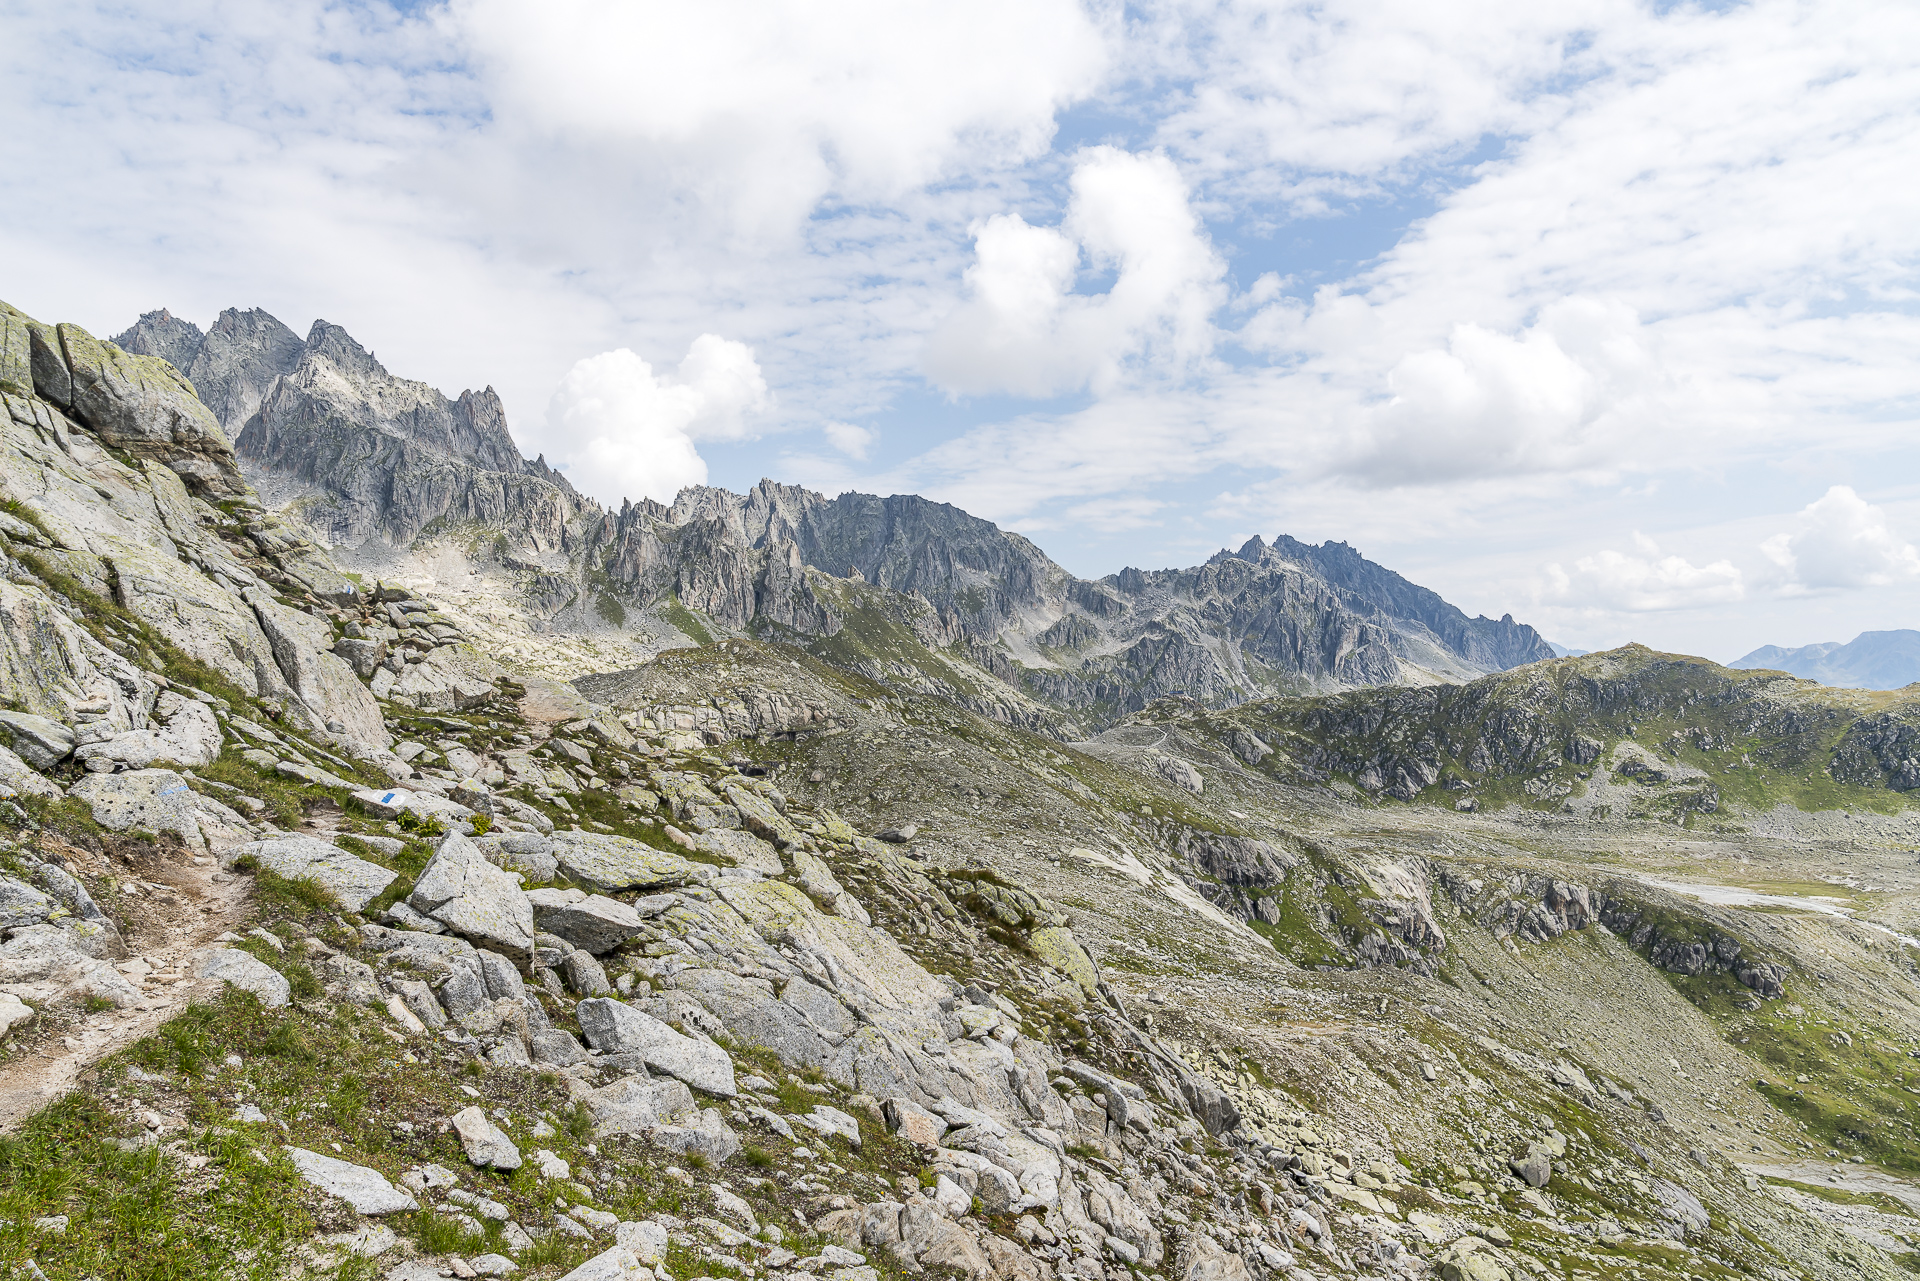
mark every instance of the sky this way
{"type": "Point", "coordinates": [1598, 313]}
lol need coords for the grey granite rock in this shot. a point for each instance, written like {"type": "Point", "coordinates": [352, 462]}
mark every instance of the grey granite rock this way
{"type": "Point", "coordinates": [472, 897]}
{"type": "Point", "coordinates": [160, 801]}
{"type": "Point", "coordinates": [637, 1104]}
{"type": "Point", "coordinates": [17, 778]}
{"type": "Point", "coordinates": [707, 1134]}
{"type": "Point", "coordinates": [22, 904]}
{"type": "Point", "coordinates": [614, 1027]}
{"type": "Point", "coordinates": [367, 1191]}
{"type": "Point", "coordinates": [353, 882]}
{"type": "Point", "coordinates": [38, 740]}
{"type": "Point", "coordinates": [248, 973]}
{"type": "Point", "coordinates": [592, 922]}
{"type": "Point", "coordinates": [483, 1141]}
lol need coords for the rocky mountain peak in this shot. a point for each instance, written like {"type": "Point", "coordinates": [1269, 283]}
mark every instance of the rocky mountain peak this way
{"type": "Point", "coordinates": [161, 333]}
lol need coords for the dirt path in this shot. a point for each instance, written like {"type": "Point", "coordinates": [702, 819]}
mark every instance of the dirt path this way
{"type": "Point", "coordinates": [188, 910]}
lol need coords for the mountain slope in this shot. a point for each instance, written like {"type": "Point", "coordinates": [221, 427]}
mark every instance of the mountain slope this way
{"type": "Point", "coordinates": [623, 987]}
{"type": "Point", "coordinates": [1871, 660]}
{"type": "Point", "coordinates": [392, 475]}
{"type": "Point", "coordinates": [1625, 732]}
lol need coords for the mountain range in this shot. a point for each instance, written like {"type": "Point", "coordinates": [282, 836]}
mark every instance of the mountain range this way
{"type": "Point", "coordinates": [1871, 660]}
{"type": "Point", "coordinates": [389, 474]}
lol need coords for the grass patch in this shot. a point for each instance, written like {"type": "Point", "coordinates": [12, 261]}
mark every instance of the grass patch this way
{"type": "Point", "coordinates": [1855, 1098]}
{"type": "Point", "coordinates": [135, 1215]}
{"type": "Point", "coordinates": [684, 620]}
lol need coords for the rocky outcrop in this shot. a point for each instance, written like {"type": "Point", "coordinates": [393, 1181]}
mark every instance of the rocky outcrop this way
{"type": "Point", "coordinates": [1540, 908]}
{"type": "Point", "coordinates": [1553, 723]}
{"type": "Point", "coordinates": [139, 405]}
{"type": "Point", "coordinates": [1690, 947]}
{"type": "Point", "coordinates": [1881, 750]}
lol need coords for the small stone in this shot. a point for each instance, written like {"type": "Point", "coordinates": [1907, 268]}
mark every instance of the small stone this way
{"type": "Point", "coordinates": [483, 1143]}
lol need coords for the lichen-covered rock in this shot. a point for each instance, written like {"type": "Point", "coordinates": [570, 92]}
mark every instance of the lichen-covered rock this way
{"type": "Point", "coordinates": [742, 849]}
{"type": "Point", "coordinates": [22, 904]}
{"type": "Point", "coordinates": [145, 406]}
{"type": "Point", "coordinates": [160, 801]}
{"type": "Point", "coordinates": [614, 863]}
{"type": "Point", "coordinates": [38, 740]}
{"type": "Point", "coordinates": [17, 778]}
{"type": "Point", "coordinates": [352, 881]}
{"type": "Point", "coordinates": [470, 896]}
{"type": "Point", "coordinates": [1056, 945]}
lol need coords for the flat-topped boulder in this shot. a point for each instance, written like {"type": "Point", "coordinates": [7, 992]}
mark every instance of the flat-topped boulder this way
{"type": "Point", "coordinates": [591, 922]}
{"type": "Point", "coordinates": [614, 863]}
{"type": "Point", "coordinates": [353, 882]}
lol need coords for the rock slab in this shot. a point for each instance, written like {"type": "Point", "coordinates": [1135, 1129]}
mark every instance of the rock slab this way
{"type": "Point", "coordinates": [616, 1028]}
{"type": "Point", "coordinates": [471, 896]}
{"type": "Point", "coordinates": [367, 1191]}
{"type": "Point", "coordinates": [353, 882]}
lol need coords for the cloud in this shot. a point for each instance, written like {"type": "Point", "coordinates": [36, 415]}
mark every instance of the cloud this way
{"type": "Point", "coordinates": [1645, 583]}
{"type": "Point", "coordinates": [483, 190]}
{"type": "Point", "coordinates": [753, 111]}
{"type": "Point", "coordinates": [1840, 540]}
{"type": "Point", "coordinates": [621, 431]}
{"type": "Point", "coordinates": [1022, 329]}
{"type": "Point", "coordinates": [1308, 102]}
{"type": "Point", "coordinates": [848, 439]}
{"type": "Point", "coordinates": [1569, 391]}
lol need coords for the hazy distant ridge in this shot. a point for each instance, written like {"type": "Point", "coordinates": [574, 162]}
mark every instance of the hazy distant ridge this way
{"type": "Point", "coordinates": [1871, 660]}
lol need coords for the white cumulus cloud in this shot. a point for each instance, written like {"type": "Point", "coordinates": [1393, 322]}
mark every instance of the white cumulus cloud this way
{"type": "Point", "coordinates": [848, 439]}
{"type": "Point", "coordinates": [1570, 390]}
{"type": "Point", "coordinates": [1841, 540]}
{"type": "Point", "coordinates": [1023, 330]}
{"type": "Point", "coordinates": [622, 431]}
{"type": "Point", "coordinates": [1647, 582]}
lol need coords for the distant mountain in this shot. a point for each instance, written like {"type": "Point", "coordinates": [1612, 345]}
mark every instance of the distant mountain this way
{"type": "Point", "coordinates": [912, 593]}
{"type": "Point", "coordinates": [1871, 660]}
{"type": "Point", "coordinates": [1561, 651]}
